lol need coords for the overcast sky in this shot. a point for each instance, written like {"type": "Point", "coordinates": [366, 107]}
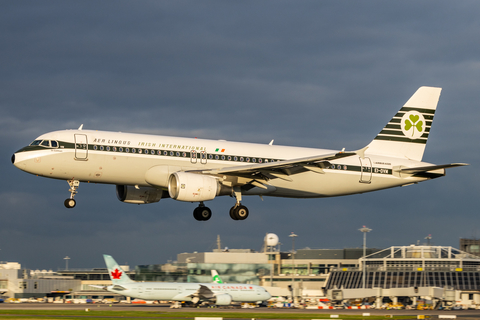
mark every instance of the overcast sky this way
{"type": "Point", "coordinates": [327, 74]}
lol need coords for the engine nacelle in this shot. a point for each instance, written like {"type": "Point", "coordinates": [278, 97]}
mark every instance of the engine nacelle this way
{"type": "Point", "coordinates": [142, 195]}
{"type": "Point", "coordinates": [192, 187]}
{"type": "Point", "coordinates": [223, 299]}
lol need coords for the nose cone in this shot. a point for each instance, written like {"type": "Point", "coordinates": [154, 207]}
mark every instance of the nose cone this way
{"type": "Point", "coordinates": [17, 161]}
{"type": "Point", "coordinates": [266, 295]}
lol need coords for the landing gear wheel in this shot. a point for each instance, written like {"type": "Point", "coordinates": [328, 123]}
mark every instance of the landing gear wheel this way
{"type": "Point", "coordinates": [239, 212]}
{"type": "Point", "coordinates": [202, 213]}
{"type": "Point", "coordinates": [232, 213]}
{"type": "Point", "coordinates": [70, 203]}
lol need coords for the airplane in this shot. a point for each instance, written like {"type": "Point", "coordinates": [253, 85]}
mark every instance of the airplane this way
{"type": "Point", "coordinates": [220, 294]}
{"type": "Point", "coordinates": [216, 277]}
{"type": "Point", "coordinates": [147, 168]}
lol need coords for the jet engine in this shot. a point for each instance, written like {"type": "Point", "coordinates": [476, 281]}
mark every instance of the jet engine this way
{"type": "Point", "coordinates": [223, 299]}
{"type": "Point", "coordinates": [191, 187]}
{"type": "Point", "coordinates": [142, 195]}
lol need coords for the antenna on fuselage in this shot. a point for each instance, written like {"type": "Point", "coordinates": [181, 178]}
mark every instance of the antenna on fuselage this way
{"type": "Point", "coordinates": [271, 143]}
{"type": "Point", "coordinates": [81, 127]}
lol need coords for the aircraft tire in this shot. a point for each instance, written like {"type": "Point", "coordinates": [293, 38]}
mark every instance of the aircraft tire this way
{"type": "Point", "coordinates": [232, 213]}
{"type": "Point", "coordinates": [241, 212]}
{"type": "Point", "coordinates": [70, 203]}
{"type": "Point", "coordinates": [202, 213]}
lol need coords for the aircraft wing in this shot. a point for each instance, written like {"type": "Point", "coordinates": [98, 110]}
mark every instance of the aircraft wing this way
{"type": "Point", "coordinates": [202, 293]}
{"type": "Point", "coordinates": [282, 169]}
{"type": "Point", "coordinates": [431, 168]}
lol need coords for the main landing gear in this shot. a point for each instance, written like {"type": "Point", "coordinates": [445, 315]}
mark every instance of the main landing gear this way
{"type": "Point", "coordinates": [202, 213]}
{"type": "Point", "coordinates": [237, 212]}
{"type": "Point", "coordinates": [70, 202]}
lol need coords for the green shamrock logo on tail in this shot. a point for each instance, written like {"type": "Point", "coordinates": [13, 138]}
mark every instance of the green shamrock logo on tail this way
{"type": "Point", "coordinates": [413, 124]}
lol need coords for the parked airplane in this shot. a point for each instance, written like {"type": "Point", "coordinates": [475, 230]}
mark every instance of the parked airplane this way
{"type": "Point", "coordinates": [221, 294]}
{"type": "Point", "coordinates": [147, 168]}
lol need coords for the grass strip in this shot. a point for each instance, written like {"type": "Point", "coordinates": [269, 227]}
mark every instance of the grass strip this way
{"type": "Point", "coordinates": [102, 314]}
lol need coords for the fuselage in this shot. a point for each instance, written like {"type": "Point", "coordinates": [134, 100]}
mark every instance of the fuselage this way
{"type": "Point", "coordinates": [172, 291]}
{"type": "Point", "coordinates": [125, 158]}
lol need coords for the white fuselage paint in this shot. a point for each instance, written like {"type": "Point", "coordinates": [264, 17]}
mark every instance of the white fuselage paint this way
{"type": "Point", "coordinates": [71, 161]}
{"type": "Point", "coordinates": [172, 291]}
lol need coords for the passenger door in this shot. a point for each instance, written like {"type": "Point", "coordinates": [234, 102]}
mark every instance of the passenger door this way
{"type": "Point", "coordinates": [81, 147]}
{"type": "Point", "coordinates": [365, 170]}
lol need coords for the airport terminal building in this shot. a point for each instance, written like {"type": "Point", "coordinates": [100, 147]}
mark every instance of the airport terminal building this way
{"type": "Point", "coordinates": [402, 273]}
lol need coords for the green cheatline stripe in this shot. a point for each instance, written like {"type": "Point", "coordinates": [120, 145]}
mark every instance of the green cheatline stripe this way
{"type": "Point", "coordinates": [399, 133]}
{"type": "Point", "coordinates": [429, 111]}
{"type": "Point", "coordinates": [393, 126]}
{"type": "Point", "coordinates": [389, 138]}
{"type": "Point", "coordinates": [393, 121]}
{"type": "Point", "coordinates": [400, 114]}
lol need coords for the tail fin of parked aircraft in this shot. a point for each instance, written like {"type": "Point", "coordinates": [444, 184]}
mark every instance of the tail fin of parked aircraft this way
{"type": "Point", "coordinates": [116, 273]}
{"type": "Point", "coordinates": [216, 277]}
{"type": "Point", "coordinates": [405, 136]}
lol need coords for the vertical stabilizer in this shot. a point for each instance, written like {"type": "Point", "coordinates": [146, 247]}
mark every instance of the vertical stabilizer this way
{"type": "Point", "coordinates": [216, 277]}
{"type": "Point", "coordinates": [117, 275]}
{"type": "Point", "coordinates": [405, 136]}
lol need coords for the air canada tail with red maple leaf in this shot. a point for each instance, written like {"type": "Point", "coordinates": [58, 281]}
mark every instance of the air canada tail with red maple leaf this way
{"type": "Point", "coordinates": [116, 273]}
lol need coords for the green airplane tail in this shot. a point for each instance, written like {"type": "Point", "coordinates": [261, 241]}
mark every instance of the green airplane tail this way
{"type": "Point", "coordinates": [116, 273]}
{"type": "Point", "coordinates": [216, 277]}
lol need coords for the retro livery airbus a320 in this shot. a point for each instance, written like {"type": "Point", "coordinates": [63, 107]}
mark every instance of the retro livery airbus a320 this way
{"type": "Point", "coordinates": [147, 168]}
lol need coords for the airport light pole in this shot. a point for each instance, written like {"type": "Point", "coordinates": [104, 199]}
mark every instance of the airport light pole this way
{"type": "Point", "coordinates": [293, 236]}
{"type": "Point", "coordinates": [364, 230]}
{"type": "Point", "coordinates": [66, 262]}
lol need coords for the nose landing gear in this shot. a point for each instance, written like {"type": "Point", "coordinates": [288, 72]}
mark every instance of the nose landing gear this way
{"type": "Point", "coordinates": [70, 202]}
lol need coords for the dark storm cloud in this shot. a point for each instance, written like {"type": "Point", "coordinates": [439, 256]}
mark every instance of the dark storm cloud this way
{"type": "Point", "coordinates": [309, 73]}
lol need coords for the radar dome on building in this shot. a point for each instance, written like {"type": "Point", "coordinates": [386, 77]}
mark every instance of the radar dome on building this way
{"type": "Point", "coordinates": [271, 239]}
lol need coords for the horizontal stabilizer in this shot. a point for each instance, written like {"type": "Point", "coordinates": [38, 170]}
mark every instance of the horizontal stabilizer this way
{"type": "Point", "coordinates": [98, 287]}
{"type": "Point", "coordinates": [431, 168]}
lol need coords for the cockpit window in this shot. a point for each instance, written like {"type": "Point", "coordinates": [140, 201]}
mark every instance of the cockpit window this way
{"type": "Point", "coordinates": [45, 143]}
{"type": "Point", "coordinates": [35, 143]}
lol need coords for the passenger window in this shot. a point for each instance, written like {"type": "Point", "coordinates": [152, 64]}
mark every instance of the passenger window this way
{"type": "Point", "coordinates": [46, 143]}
